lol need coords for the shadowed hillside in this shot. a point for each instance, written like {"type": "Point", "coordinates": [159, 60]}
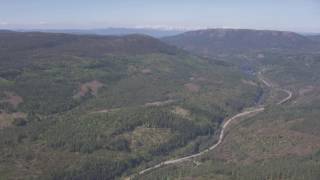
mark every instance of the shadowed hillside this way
{"type": "Point", "coordinates": [87, 44]}
{"type": "Point", "coordinates": [154, 32]}
{"type": "Point", "coordinates": [212, 41]}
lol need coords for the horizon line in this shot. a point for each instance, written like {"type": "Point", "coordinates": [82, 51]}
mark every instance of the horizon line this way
{"type": "Point", "coordinates": [159, 28]}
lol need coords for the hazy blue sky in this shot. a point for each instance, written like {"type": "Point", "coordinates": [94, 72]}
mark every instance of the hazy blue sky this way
{"type": "Point", "coordinates": [296, 15]}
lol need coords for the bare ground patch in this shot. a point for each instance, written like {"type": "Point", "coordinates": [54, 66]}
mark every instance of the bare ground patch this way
{"type": "Point", "coordinates": [197, 78]}
{"type": "Point", "coordinates": [150, 104]}
{"type": "Point", "coordinates": [307, 94]}
{"type": "Point", "coordinates": [12, 99]}
{"type": "Point", "coordinates": [201, 79]}
{"type": "Point", "coordinates": [146, 138]}
{"type": "Point", "coordinates": [306, 90]}
{"type": "Point", "coordinates": [249, 144]}
{"type": "Point", "coordinates": [106, 110]}
{"type": "Point", "coordinates": [159, 103]}
{"type": "Point", "coordinates": [192, 87]}
{"type": "Point", "coordinates": [89, 87]}
{"type": "Point", "coordinates": [7, 119]}
{"type": "Point", "coordinates": [249, 82]}
{"type": "Point", "coordinates": [181, 112]}
{"type": "Point", "coordinates": [289, 142]}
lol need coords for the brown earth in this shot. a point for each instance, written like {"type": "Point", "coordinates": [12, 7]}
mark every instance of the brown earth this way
{"type": "Point", "coordinates": [181, 111]}
{"type": "Point", "coordinates": [249, 144]}
{"type": "Point", "coordinates": [192, 87]}
{"type": "Point", "coordinates": [13, 99]}
{"type": "Point", "coordinates": [107, 110]}
{"type": "Point", "coordinates": [159, 103]}
{"type": "Point", "coordinates": [89, 87]}
{"type": "Point", "coordinates": [249, 82]}
{"type": "Point", "coordinates": [6, 119]}
{"type": "Point", "coordinates": [146, 138]}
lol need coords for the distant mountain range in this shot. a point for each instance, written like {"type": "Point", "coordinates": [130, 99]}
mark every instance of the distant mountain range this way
{"type": "Point", "coordinates": [154, 32]}
{"type": "Point", "coordinates": [315, 37]}
{"type": "Point", "coordinates": [83, 44]}
{"type": "Point", "coordinates": [238, 40]}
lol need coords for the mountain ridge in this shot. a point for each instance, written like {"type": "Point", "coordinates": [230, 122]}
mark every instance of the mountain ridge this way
{"type": "Point", "coordinates": [154, 32]}
{"type": "Point", "coordinates": [133, 43]}
{"type": "Point", "coordinates": [211, 41]}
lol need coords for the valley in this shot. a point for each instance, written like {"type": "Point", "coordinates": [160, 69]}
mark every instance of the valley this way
{"type": "Point", "coordinates": [109, 103]}
{"type": "Point", "coordinates": [242, 115]}
{"type": "Point", "coordinates": [159, 90]}
{"type": "Point", "coordinates": [180, 107]}
{"type": "Point", "coordinates": [270, 144]}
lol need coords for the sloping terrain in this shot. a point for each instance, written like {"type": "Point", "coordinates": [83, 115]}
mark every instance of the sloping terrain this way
{"type": "Point", "coordinates": [280, 143]}
{"type": "Point", "coordinates": [154, 32]}
{"type": "Point", "coordinates": [229, 41]}
{"type": "Point", "coordinates": [314, 37]}
{"type": "Point", "coordinates": [101, 107]}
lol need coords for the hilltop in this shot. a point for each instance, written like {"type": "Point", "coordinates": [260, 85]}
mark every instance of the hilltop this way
{"type": "Point", "coordinates": [213, 41]}
{"type": "Point", "coordinates": [87, 44]}
{"type": "Point", "coordinates": [154, 32]}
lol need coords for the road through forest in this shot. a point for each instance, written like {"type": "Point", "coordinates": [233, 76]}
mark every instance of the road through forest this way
{"type": "Point", "coordinates": [253, 110]}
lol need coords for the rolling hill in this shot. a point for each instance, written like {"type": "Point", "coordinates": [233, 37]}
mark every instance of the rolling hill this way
{"type": "Point", "coordinates": [158, 33]}
{"type": "Point", "coordinates": [106, 107]}
{"type": "Point", "coordinates": [314, 37]}
{"type": "Point", "coordinates": [283, 141]}
{"type": "Point", "coordinates": [214, 41]}
{"type": "Point", "coordinates": [101, 107]}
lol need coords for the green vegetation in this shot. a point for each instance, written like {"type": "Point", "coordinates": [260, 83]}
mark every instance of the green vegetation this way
{"type": "Point", "coordinates": [280, 143]}
{"type": "Point", "coordinates": [104, 107]}
{"type": "Point", "coordinates": [93, 107]}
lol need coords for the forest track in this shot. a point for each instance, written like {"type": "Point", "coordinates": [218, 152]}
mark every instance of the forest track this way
{"type": "Point", "coordinates": [290, 94]}
{"type": "Point", "coordinates": [271, 85]}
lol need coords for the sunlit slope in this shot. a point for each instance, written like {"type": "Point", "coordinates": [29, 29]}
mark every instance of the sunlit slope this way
{"type": "Point", "coordinates": [90, 107]}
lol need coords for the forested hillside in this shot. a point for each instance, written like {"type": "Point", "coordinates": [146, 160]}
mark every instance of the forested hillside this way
{"type": "Point", "coordinates": [281, 142]}
{"type": "Point", "coordinates": [211, 42]}
{"type": "Point", "coordinates": [315, 37]}
{"type": "Point", "coordinates": [102, 107]}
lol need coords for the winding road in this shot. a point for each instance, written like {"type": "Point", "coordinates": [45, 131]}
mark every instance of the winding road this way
{"type": "Point", "coordinates": [287, 98]}
{"type": "Point", "coordinates": [222, 133]}
{"type": "Point", "coordinates": [270, 85]}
